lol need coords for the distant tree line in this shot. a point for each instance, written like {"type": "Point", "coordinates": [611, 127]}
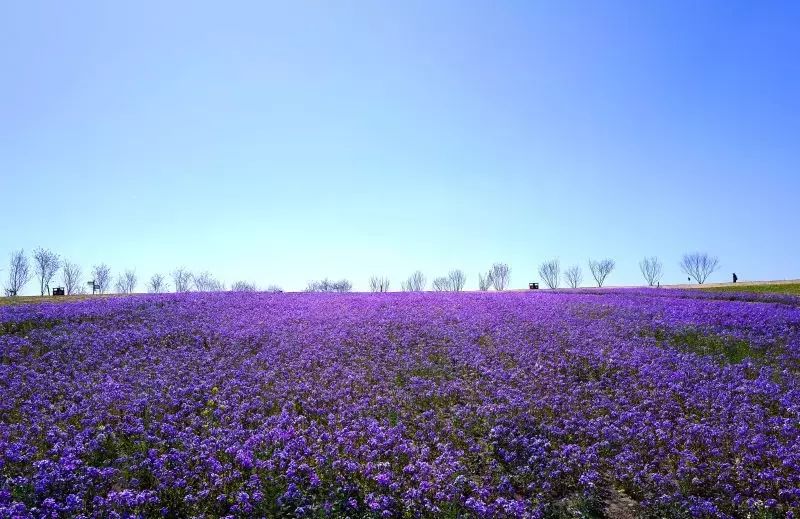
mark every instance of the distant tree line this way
{"type": "Point", "coordinates": [48, 266]}
{"type": "Point", "coordinates": [327, 285]}
{"type": "Point", "coordinates": [697, 265]}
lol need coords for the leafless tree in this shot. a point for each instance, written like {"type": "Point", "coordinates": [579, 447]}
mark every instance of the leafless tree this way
{"type": "Point", "coordinates": [182, 279]}
{"type": "Point", "coordinates": [378, 284]}
{"type": "Point", "coordinates": [501, 275]}
{"type": "Point", "coordinates": [45, 263]}
{"type": "Point", "coordinates": [326, 285]}
{"type": "Point", "coordinates": [126, 282]}
{"type": "Point", "coordinates": [319, 286]}
{"type": "Point", "coordinates": [102, 277]}
{"type": "Point", "coordinates": [485, 282]}
{"type": "Point", "coordinates": [652, 270]}
{"type": "Point", "coordinates": [205, 282]}
{"type": "Point", "coordinates": [573, 276]}
{"type": "Point", "coordinates": [457, 280]}
{"type": "Point", "coordinates": [72, 277]}
{"type": "Point", "coordinates": [414, 283]}
{"type": "Point", "coordinates": [441, 284]}
{"type": "Point", "coordinates": [343, 285]}
{"type": "Point", "coordinates": [550, 271]}
{"type": "Point", "coordinates": [699, 265]}
{"type": "Point", "coordinates": [19, 272]}
{"type": "Point", "coordinates": [157, 284]}
{"type": "Point", "coordinates": [454, 281]}
{"type": "Point", "coordinates": [243, 286]}
{"type": "Point", "coordinates": [601, 269]}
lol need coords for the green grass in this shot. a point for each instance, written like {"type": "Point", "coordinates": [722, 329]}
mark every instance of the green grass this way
{"type": "Point", "coordinates": [733, 351]}
{"type": "Point", "coordinates": [777, 288]}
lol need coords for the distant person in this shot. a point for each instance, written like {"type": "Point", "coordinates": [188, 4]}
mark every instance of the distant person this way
{"type": "Point", "coordinates": [735, 277]}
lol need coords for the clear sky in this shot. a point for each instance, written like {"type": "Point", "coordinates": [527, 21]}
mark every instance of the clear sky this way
{"type": "Point", "coordinates": [284, 142]}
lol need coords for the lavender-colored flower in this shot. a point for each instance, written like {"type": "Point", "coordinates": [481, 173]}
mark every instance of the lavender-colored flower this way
{"type": "Point", "coordinates": [418, 404]}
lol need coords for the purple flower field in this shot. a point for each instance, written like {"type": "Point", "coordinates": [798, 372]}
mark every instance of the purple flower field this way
{"type": "Point", "coordinates": [525, 404]}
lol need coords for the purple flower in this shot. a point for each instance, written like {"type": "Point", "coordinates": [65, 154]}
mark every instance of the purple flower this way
{"type": "Point", "coordinates": [473, 404]}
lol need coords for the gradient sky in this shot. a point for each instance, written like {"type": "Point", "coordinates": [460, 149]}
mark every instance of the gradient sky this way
{"type": "Point", "coordinates": [281, 143]}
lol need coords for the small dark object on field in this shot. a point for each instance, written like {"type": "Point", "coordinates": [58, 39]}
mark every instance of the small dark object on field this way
{"type": "Point", "coordinates": [533, 286]}
{"type": "Point", "coordinates": [58, 291]}
{"type": "Point", "coordinates": [735, 277]}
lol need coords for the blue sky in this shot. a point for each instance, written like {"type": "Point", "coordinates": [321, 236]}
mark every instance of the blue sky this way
{"type": "Point", "coordinates": [284, 142]}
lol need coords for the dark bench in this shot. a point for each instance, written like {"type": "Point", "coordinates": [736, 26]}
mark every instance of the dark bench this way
{"type": "Point", "coordinates": [58, 291]}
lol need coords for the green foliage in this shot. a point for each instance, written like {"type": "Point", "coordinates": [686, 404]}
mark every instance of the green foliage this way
{"type": "Point", "coordinates": [24, 327]}
{"type": "Point", "coordinates": [770, 288]}
{"type": "Point", "coordinates": [732, 350]}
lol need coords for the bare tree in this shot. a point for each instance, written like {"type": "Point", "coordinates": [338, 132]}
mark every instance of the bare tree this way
{"type": "Point", "coordinates": [102, 277]}
{"type": "Point", "coordinates": [72, 277]}
{"type": "Point", "coordinates": [414, 283]}
{"type": "Point", "coordinates": [182, 279]}
{"type": "Point", "coordinates": [454, 281]}
{"type": "Point", "coordinates": [19, 272]}
{"type": "Point", "coordinates": [45, 263]}
{"type": "Point", "coordinates": [441, 284]}
{"type": "Point", "coordinates": [378, 284]}
{"type": "Point", "coordinates": [157, 284]}
{"type": "Point", "coordinates": [126, 282]}
{"type": "Point", "coordinates": [326, 285]}
{"type": "Point", "coordinates": [243, 286]}
{"type": "Point", "coordinates": [343, 285]}
{"type": "Point", "coordinates": [699, 265]}
{"type": "Point", "coordinates": [652, 270]}
{"type": "Point", "coordinates": [601, 269]}
{"type": "Point", "coordinates": [205, 282]}
{"type": "Point", "coordinates": [550, 271]}
{"type": "Point", "coordinates": [574, 276]}
{"type": "Point", "coordinates": [457, 280]}
{"type": "Point", "coordinates": [501, 275]}
{"type": "Point", "coordinates": [485, 282]}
